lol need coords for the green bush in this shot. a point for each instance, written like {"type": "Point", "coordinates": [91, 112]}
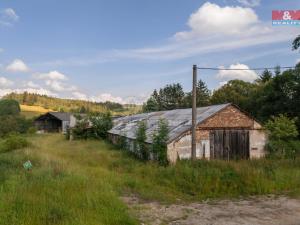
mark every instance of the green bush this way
{"type": "Point", "coordinates": [159, 143]}
{"type": "Point", "coordinates": [14, 124]}
{"type": "Point", "coordinates": [282, 134]}
{"type": "Point", "coordinates": [140, 145]}
{"type": "Point", "coordinates": [13, 142]}
{"type": "Point", "coordinates": [101, 123]}
{"type": "Point", "coordinates": [9, 107]}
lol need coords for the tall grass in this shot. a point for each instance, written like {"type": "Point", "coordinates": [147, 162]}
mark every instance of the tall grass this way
{"type": "Point", "coordinates": [80, 182]}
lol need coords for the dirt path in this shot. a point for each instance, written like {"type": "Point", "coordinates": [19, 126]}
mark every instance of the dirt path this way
{"type": "Point", "coordinates": [254, 211]}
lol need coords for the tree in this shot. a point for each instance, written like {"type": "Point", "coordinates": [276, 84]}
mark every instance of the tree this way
{"type": "Point", "coordinates": [159, 143]}
{"type": "Point", "coordinates": [282, 131]}
{"type": "Point", "coordinates": [235, 91]}
{"type": "Point", "coordinates": [282, 127]}
{"type": "Point", "coordinates": [202, 96]}
{"type": "Point", "coordinates": [169, 97]}
{"type": "Point", "coordinates": [151, 105]}
{"type": "Point", "coordinates": [141, 141]}
{"type": "Point", "coordinates": [9, 107]}
{"type": "Point", "coordinates": [296, 43]}
{"type": "Point", "coordinates": [101, 124]}
{"type": "Point", "coordinates": [265, 76]}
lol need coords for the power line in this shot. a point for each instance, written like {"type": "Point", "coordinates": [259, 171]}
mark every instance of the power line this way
{"type": "Point", "coordinates": [265, 68]}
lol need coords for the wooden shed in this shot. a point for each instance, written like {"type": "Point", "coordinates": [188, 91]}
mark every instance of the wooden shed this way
{"type": "Point", "coordinates": [223, 132]}
{"type": "Point", "coordinates": [53, 122]}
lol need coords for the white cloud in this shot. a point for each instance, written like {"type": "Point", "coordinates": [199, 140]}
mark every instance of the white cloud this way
{"type": "Point", "coordinates": [52, 75]}
{"type": "Point", "coordinates": [107, 97]}
{"type": "Point", "coordinates": [1, 50]}
{"type": "Point", "coordinates": [249, 3]}
{"type": "Point", "coordinates": [31, 84]}
{"type": "Point", "coordinates": [17, 66]}
{"type": "Point", "coordinates": [245, 75]}
{"type": "Point", "coordinates": [212, 19]}
{"type": "Point", "coordinates": [212, 29]}
{"type": "Point", "coordinates": [55, 85]}
{"type": "Point", "coordinates": [79, 95]}
{"type": "Point", "coordinates": [8, 16]}
{"type": "Point", "coordinates": [4, 82]}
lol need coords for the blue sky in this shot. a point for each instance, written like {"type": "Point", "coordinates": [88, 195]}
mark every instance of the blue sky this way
{"type": "Point", "coordinates": [121, 50]}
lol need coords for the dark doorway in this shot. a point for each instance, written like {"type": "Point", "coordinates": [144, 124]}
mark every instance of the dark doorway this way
{"type": "Point", "coordinates": [229, 144]}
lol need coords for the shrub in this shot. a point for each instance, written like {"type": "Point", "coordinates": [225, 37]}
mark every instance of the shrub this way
{"type": "Point", "coordinates": [10, 124]}
{"type": "Point", "coordinates": [159, 143]}
{"type": "Point", "coordinates": [282, 128]}
{"type": "Point", "coordinates": [282, 132]}
{"type": "Point", "coordinates": [80, 130]}
{"type": "Point", "coordinates": [13, 142]}
{"type": "Point", "coordinates": [101, 123]}
{"type": "Point", "coordinates": [141, 146]}
{"type": "Point", "coordinates": [122, 142]}
{"type": "Point", "coordinates": [9, 107]}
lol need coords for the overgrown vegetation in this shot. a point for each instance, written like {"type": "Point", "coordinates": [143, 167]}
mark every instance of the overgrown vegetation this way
{"type": "Point", "coordinates": [10, 119]}
{"type": "Point", "coordinates": [141, 146]}
{"type": "Point", "coordinates": [13, 142]}
{"type": "Point", "coordinates": [81, 182]}
{"type": "Point", "coordinates": [92, 126]}
{"type": "Point", "coordinates": [282, 138]}
{"type": "Point", "coordinates": [159, 143]}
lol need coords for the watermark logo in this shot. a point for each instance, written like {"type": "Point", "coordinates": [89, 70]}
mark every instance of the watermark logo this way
{"type": "Point", "coordinates": [286, 17]}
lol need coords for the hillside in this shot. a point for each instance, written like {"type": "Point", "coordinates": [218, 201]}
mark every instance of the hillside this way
{"type": "Point", "coordinates": [42, 103]}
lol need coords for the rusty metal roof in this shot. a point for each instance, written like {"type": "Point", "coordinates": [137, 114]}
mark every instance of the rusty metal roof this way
{"type": "Point", "coordinates": [179, 121]}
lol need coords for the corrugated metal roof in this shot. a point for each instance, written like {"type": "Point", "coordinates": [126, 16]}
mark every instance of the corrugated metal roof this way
{"type": "Point", "coordinates": [179, 121]}
{"type": "Point", "coordinates": [63, 116]}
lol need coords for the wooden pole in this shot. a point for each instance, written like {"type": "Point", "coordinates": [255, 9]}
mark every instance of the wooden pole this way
{"type": "Point", "coordinates": [194, 112]}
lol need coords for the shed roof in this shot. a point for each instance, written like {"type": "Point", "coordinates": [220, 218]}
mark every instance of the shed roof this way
{"type": "Point", "coordinates": [179, 121]}
{"type": "Point", "coordinates": [63, 116]}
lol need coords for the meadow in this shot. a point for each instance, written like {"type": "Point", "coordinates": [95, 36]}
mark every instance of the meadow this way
{"type": "Point", "coordinates": [81, 182]}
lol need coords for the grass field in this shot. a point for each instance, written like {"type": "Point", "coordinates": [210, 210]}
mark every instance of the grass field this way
{"type": "Point", "coordinates": [81, 182]}
{"type": "Point", "coordinates": [32, 111]}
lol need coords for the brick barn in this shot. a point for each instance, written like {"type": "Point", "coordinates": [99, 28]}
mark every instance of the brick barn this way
{"type": "Point", "coordinates": [223, 132]}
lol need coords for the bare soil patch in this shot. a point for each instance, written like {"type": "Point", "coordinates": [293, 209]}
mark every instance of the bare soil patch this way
{"type": "Point", "coordinates": [253, 211]}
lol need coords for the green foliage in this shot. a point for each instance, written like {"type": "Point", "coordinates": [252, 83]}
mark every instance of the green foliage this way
{"type": "Point", "coordinates": [13, 142]}
{"type": "Point", "coordinates": [265, 76]}
{"type": "Point", "coordinates": [282, 128]}
{"type": "Point", "coordinates": [81, 129]}
{"type": "Point", "coordinates": [159, 143]}
{"type": "Point", "coordinates": [141, 145]}
{"type": "Point", "coordinates": [282, 132]}
{"type": "Point", "coordinates": [9, 107]}
{"type": "Point", "coordinates": [169, 97]}
{"type": "Point", "coordinates": [14, 124]}
{"type": "Point", "coordinates": [296, 43]}
{"type": "Point", "coordinates": [235, 91]}
{"type": "Point", "coordinates": [202, 96]}
{"type": "Point", "coordinates": [65, 105]}
{"type": "Point", "coordinates": [101, 123]}
{"type": "Point", "coordinates": [122, 142]}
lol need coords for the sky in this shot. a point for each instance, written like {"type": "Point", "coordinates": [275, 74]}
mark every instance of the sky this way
{"type": "Point", "coordinates": [116, 50]}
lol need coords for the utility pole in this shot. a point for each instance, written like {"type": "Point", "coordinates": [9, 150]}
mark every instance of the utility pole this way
{"type": "Point", "coordinates": [194, 112]}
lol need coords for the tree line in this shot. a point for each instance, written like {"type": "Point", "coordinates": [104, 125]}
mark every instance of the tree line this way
{"type": "Point", "coordinates": [64, 105]}
{"type": "Point", "coordinates": [272, 94]}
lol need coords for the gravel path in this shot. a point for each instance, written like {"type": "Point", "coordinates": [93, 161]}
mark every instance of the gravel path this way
{"type": "Point", "coordinates": [253, 211]}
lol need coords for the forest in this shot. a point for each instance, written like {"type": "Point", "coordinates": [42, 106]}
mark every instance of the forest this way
{"type": "Point", "coordinates": [67, 105]}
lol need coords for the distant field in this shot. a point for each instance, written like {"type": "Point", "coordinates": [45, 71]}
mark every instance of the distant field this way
{"type": "Point", "coordinates": [32, 111]}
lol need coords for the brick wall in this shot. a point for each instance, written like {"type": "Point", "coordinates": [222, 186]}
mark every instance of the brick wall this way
{"type": "Point", "coordinates": [230, 117]}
